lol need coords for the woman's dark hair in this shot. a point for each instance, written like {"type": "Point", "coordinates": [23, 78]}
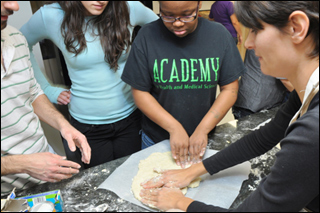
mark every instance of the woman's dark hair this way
{"type": "Point", "coordinates": [111, 26]}
{"type": "Point", "coordinates": [276, 13]}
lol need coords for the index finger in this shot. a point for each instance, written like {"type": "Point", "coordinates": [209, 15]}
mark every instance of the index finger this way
{"type": "Point", "coordinates": [194, 150]}
{"type": "Point", "coordinates": [175, 154]}
{"type": "Point", "coordinates": [69, 164]}
{"type": "Point", "coordinates": [155, 182]}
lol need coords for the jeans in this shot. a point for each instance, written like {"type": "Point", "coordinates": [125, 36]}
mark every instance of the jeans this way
{"type": "Point", "coordinates": [108, 141]}
{"type": "Point", "coordinates": [146, 141]}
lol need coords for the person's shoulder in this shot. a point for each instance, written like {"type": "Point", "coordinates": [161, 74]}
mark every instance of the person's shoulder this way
{"type": "Point", "coordinates": [52, 6]}
{"type": "Point", "coordinates": [135, 6]}
{"type": "Point", "coordinates": [9, 29]}
{"type": "Point", "coordinates": [213, 25]}
{"type": "Point", "coordinates": [11, 32]}
{"type": "Point", "coordinates": [148, 34]}
{"type": "Point", "coordinates": [151, 27]}
{"type": "Point", "coordinates": [134, 3]}
{"type": "Point", "coordinates": [53, 9]}
{"type": "Point", "coordinates": [51, 13]}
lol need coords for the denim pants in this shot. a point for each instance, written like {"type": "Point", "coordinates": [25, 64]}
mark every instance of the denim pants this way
{"type": "Point", "coordinates": [146, 141]}
{"type": "Point", "coordinates": [108, 141]}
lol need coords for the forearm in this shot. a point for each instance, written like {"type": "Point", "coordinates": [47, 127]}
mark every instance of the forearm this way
{"type": "Point", "coordinates": [48, 113]}
{"type": "Point", "coordinates": [220, 107]}
{"type": "Point", "coordinates": [184, 203]}
{"type": "Point", "coordinates": [154, 111]}
{"type": "Point", "coordinates": [12, 164]}
{"type": "Point", "coordinates": [236, 24]}
{"type": "Point", "coordinates": [195, 171]}
{"type": "Point", "coordinates": [52, 92]}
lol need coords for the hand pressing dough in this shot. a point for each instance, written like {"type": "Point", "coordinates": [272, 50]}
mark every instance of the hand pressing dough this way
{"type": "Point", "coordinates": [157, 161]}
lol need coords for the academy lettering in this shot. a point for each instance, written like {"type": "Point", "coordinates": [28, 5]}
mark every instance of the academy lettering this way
{"type": "Point", "coordinates": [192, 70]}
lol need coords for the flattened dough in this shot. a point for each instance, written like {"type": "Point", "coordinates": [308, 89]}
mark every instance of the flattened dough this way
{"type": "Point", "coordinates": [159, 161]}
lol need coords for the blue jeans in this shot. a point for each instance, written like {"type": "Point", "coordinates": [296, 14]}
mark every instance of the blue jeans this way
{"type": "Point", "coordinates": [146, 141]}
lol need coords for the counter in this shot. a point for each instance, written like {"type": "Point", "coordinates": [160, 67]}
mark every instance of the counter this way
{"type": "Point", "coordinates": [81, 193]}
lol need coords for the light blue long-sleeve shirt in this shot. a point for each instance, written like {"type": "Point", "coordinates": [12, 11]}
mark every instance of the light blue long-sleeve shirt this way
{"type": "Point", "coordinates": [98, 95]}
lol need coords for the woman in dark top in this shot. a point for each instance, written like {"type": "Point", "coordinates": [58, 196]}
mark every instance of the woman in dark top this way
{"type": "Point", "coordinates": [285, 37]}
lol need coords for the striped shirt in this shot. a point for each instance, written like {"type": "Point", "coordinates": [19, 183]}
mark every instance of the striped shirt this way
{"type": "Point", "coordinates": [21, 131]}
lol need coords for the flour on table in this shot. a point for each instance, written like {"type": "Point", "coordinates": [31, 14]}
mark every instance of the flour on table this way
{"type": "Point", "coordinates": [152, 166]}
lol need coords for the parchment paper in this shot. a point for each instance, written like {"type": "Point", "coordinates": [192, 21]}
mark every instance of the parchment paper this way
{"type": "Point", "coordinates": [220, 189]}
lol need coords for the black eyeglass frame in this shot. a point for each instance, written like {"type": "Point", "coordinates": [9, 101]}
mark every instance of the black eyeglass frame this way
{"type": "Point", "coordinates": [179, 18]}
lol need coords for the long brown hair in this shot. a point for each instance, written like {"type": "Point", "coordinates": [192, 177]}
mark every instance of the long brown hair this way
{"type": "Point", "coordinates": [111, 25]}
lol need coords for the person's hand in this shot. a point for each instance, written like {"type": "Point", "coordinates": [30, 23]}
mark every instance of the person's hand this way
{"type": "Point", "coordinates": [179, 178]}
{"type": "Point", "coordinates": [49, 167]}
{"type": "Point", "coordinates": [198, 145]}
{"type": "Point", "coordinates": [64, 97]}
{"type": "Point", "coordinates": [76, 138]}
{"type": "Point", "coordinates": [179, 142]}
{"type": "Point", "coordinates": [163, 198]}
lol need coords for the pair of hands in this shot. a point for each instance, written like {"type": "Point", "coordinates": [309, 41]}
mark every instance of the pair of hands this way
{"type": "Point", "coordinates": [53, 168]}
{"type": "Point", "coordinates": [187, 150]}
{"type": "Point", "coordinates": [164, 192]}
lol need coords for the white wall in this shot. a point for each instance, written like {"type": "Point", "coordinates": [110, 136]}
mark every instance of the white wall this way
{"type": "Point", "coordinates": [17, 20]}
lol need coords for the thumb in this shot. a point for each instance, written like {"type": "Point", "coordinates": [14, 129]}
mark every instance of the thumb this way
{"type": "Point", "coordinates": [70, 141]}
{"type": "Point", "coordinates": [159, 170]}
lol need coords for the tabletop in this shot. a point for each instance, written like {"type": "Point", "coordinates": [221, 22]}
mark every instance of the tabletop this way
{"type": "Point", "coordinates": [81, 192]}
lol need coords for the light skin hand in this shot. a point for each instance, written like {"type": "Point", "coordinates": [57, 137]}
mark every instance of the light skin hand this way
{"type": "Point", "coordinates": [64, 98]}
{"type": "Point", "coordinates": [49, 167]}
{"type": "Point", "coordinates": [171, 178]}
{"type": "Point", "coordinates": [179, 142]}
{"type": "Point", "coordinates": [76, 138]}
{"type": "Point", "coordinates": [165, 198]}
{"type": "Point", "coordinates": [50, 115]}
{"type": "Point", "coordinates": [198, 145]}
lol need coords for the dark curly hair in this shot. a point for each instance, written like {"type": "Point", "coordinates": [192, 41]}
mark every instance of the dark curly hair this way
{"type": "Point", "coordinates": [276, 13]}
{"type": "Point", "coordinates": [111, 26]}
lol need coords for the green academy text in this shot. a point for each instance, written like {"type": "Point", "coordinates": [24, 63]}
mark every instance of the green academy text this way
{"type": "Point", "coordinates": [191, 70]}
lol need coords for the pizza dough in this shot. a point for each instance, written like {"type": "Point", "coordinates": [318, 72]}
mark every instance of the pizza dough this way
{"type": "Point", "coordinates": [151, 167]}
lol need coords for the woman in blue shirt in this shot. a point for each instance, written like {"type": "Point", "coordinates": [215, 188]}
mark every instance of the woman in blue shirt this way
{"type": "Point", "coordinates": [94, 38]}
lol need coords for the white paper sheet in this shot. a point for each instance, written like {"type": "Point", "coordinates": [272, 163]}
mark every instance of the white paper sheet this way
{"type": "Point", "coordinates": [220, 189]}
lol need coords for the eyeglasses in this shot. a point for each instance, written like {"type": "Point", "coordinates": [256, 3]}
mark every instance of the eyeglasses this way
{"type": "Point", "coordinates": [182, 18]}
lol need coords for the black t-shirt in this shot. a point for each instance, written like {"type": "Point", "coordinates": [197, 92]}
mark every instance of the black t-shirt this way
{"type": "Point", "coordinates": [182, 74]}
{"type": "Point", "coordinates": [293, 182]}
